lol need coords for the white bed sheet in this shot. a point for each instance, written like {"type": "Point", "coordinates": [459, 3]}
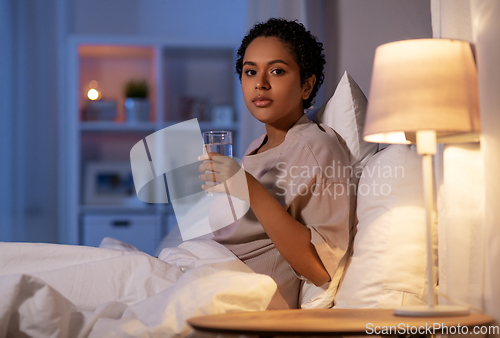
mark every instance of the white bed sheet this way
{"type": "Point", "coordinates": [49, 290]}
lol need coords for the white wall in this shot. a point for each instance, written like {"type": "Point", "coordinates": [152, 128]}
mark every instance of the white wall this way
{"type": "Point", "coordinates": [469, 218]}
{"type": "Point", "coordinates": [460, 186]}
{"type": "Point", "coordinates": [486, 19]}
{"type": "Point", "coordinates": [354, 28]}
{"type": "Point", "coordinates": [224, 19]}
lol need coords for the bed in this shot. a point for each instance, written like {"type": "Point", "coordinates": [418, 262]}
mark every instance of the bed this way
{"type": "Point", "coordinates": [49, 290]}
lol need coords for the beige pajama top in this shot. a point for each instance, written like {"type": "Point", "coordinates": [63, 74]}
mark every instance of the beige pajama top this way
{"type": "Point", "coordinates": [308, 174]}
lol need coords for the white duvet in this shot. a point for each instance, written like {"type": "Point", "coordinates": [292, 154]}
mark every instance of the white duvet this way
{"type": "Point", "coordinates": [49, 290]}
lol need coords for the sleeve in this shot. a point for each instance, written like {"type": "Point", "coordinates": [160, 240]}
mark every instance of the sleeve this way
{"type": "Point", "coordinates": [325, 211]}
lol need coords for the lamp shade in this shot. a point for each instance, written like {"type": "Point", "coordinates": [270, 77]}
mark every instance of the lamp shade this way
{"type": "Point", "coordinates": [423, 84]}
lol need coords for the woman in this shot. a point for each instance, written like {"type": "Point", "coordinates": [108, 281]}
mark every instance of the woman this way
{"type": "Point", "coordinates": [297, 226]}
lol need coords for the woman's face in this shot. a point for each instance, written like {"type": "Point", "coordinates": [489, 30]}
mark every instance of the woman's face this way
{"type": "Point", "coordinates": [271, 83]}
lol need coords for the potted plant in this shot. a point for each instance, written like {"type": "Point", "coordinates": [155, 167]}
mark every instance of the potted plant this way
{"type": "Point", "coordinates": [137, 104]}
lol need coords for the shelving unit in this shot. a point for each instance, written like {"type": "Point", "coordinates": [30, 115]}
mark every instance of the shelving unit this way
{"type": "Point", "coordinates": [186, 79]}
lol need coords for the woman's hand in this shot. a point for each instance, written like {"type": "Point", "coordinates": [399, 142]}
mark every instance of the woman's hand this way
{"type": "Point", "coordinates": [223, 174]}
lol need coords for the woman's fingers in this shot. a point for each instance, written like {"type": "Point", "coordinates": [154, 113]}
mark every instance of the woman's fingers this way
{"type": "Point", "coordinates": [206, 166]}
{"type": "Point", "coordinates": [211, 177]}
{"type": "Point", "coordinates": [211, 166]}
{"type": "Point", "coordinates": [210, 157]}
{"type": "Point", "coordinates": [216, 169]}
{"type": "Point", "coordinates": [217, 163]}
{"type": "Point", "coordinates": [223, 174]}
{"type": "Point", "coordinates": [214, 188]}
{"type": "Point", "coordinates": [205, 156]}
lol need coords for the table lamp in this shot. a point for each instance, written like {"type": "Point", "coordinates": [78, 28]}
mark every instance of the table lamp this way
{"type": "Point", "coordinates": [424, 91]}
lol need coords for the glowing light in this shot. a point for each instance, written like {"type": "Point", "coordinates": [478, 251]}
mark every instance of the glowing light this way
{"type": "Point", "coordinates": [389, 137]}
{"type": "Point", "coordinates": [93, 94]}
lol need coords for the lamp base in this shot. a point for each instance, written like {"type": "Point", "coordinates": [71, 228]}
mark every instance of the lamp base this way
{"type": "Point", "coordinates": [435, 311]}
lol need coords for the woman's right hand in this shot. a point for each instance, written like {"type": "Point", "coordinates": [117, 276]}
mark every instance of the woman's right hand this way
{"type": "Point", "coordinates": [223, 174]}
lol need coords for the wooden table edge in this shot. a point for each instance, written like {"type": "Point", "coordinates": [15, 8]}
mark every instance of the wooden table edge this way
{"type": "Point", "coordinates": [229, 323]}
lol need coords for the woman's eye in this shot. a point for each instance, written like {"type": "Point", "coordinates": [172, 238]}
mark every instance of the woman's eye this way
{"type": "Point", "coordinates": [277, 71]}
{"type": "Point", "coordinates": [250, 72]}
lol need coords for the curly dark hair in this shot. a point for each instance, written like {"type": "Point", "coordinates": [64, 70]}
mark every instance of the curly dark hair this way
{"type": "Point", "coordinates": [304, 47]}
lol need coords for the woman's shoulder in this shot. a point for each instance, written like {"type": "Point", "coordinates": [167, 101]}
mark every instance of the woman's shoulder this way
{"type": "Point", "coordinates": [322, 141]}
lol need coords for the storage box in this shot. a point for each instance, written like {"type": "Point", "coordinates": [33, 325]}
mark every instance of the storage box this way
{"type": "Point", "coordinates": [102, 110]}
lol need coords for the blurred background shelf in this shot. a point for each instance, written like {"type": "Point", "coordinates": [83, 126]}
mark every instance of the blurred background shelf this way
{"type": "Point", "coordinates": [107, 126]}
{"type": "Point", "coordinates": [182, 79]}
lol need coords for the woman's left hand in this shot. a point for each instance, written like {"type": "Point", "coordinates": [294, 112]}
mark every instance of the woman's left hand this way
{"type": "Point", "coordinates": [217, 169]}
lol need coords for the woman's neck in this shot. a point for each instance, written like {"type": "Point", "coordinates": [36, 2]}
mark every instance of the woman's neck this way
{"type": "Point", "coordinates": [275, 134]}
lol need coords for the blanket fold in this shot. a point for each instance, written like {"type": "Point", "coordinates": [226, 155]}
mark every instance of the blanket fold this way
{"type": "Point", "coordinates": [49, 290]}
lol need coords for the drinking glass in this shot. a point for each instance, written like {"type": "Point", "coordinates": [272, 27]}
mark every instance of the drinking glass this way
{"type": "Point", "coordinates": [220, 142]}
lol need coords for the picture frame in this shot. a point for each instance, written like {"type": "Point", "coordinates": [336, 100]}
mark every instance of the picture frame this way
{"type": "Point", "coordinates": [109, 183]}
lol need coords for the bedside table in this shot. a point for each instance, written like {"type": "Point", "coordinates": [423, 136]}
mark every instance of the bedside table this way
{"type": "Point", "coordinates": [333, 322]}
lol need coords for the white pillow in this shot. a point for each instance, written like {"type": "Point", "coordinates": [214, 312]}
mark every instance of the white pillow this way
{"type": "Point", "coordinates": [345, 113]}
{"type": "Point", "coordinates": [388, 265]}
